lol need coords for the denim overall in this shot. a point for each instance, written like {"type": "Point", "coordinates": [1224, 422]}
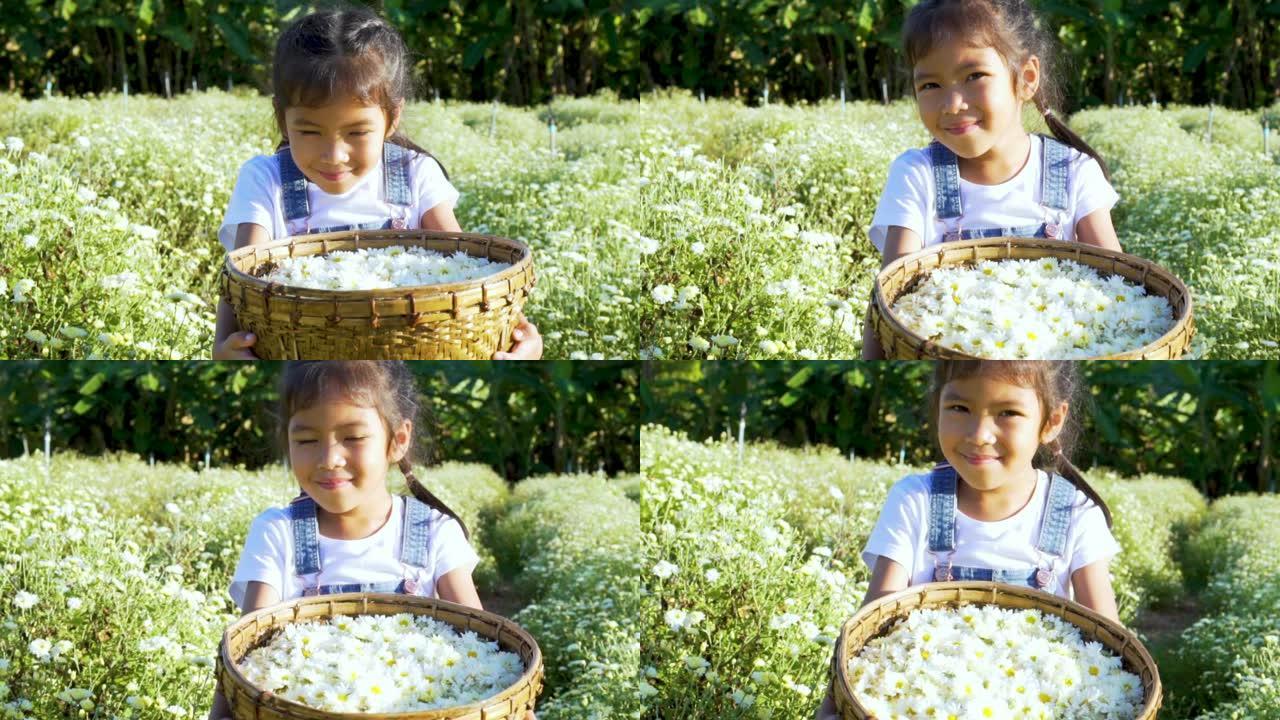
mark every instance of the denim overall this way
{"type": "Point", "coordinates": [1051, 545]}
{"type": "Point", "coordinates": [1053, 194]}
{"type": "Point", "coordinates": [306, 547]}
{"type": "Point", "coordinates": [395, 180]}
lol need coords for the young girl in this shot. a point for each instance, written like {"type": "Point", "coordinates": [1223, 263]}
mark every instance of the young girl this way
{"type": "Point", "coordinates": [346, 424]}
{"type": "Point", "coordinates": [975, 63]}
{"type": "Point", "coordinates": [987, 512]}
{"type": "Point", "coordinates": [340, 81]}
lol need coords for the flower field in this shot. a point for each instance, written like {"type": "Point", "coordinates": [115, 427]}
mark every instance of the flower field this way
{"type": "Point", "coordinates": [759, 220]}
{"type": "Point", "coordinates": [113, 593]}
{"type": "Point", "coordinates": [753, 565]}
{"type": "Point", "coordinates": [109, 210]}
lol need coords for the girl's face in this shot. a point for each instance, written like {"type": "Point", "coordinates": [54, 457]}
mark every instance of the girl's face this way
{"type": "Point", "coordinates": [340, 453]}
{"type": "Point", "coordinates": [990, 429]}
{"type": "Point", "coordinates": [966, 97]}
{"type": "Point", "coordinates": [336, 145]}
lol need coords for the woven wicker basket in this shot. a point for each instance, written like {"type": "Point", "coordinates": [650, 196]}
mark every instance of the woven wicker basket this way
{"type": "Point", "coordinates": [457, 321]}
{"type": "Point", "coordinates": [904, 274]}
{"type": "Point", "coordinates": [876, 618]}
{"type": "Point", "coordinates": [250, 703]}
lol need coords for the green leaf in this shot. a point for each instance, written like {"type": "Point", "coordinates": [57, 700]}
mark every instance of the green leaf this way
{"type": "Point", "coordinates": [67, 9]}
{"type": "Point", "coordinates": [149, 382]}
{"type": "Point", "coordinates": [800, 378]}
{"type": "Point", "coordinates": [83, 406]}
{"type": "Point", "coordinates": [146, 13]}
{"type": "Point", "coordinates": [91, 386]}
{"type": "Point", "coordinates": [235, 38]}
{"type": "Point", "coordinates": [1195, 56]}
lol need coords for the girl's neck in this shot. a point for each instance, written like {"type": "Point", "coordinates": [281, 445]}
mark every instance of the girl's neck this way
{"type": "Point", "coordinates": [1006, 158]}
{"type": "Point", "coordinates": [357, 523]}
{"type": "Point", "coordinates": [999, 504]}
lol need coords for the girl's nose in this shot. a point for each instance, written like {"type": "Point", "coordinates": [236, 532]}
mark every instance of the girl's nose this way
{"type": "Point", "coordinates": [954, 102]}
{"type": "Point", "coordinates": [982, 432]}
{"type": "Point", "coordinates": [336, 154]}
{"type": "Point", "coordinates": [333, 456]}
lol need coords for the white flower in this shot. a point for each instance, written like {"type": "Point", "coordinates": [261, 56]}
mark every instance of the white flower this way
{"type": "Point", "coordinates": [22, 289]}
{"type": "Point", "coordinates": [664, 569]}
{"type": "Point", "coordinates": [680, 620]}
{"type": "Point", "coordinates": [14, 144]}
{"type": "Point", "coordinates": [752, 202]}
{"type": "Point", "coordinates": [724, 341]}
{"type": "Point", "coordinates": [370, 269]}
{"type": "Point", "coordinates": [40, 647]}
{"type": "Point", "coordinates": [699, 344]}
{"type": "Point", "coordinates": [785, 620]}
{"type": "Point", "coordinates": [37, 337]}
{"type": "Point", "coordinates": [83, 141]}
{"type": "Point", "coordinates": [74, 603]}
{"type": "Point", "coordinates": [698, 248]}
{"type": "Point", "coordinates": [712, 575]}
{"type": "Point", "coordinates": [73, 332]}
{"type": "Point", "coordinates": [768, 347]}
{"type": "Point", "coordinates": [25, 600]}
{"type": "Point", "coordinates": [146, 232]}
{"type": "Point", "coordinates": [86, 195]}
{"type": "Point", "coordinates": [663, 294]}
{"type": "Point", "coordinates": [30, 241]}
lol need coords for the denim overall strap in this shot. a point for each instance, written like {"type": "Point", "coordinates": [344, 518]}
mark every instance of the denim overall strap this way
{"type": "Point", "coordinates": [1040, 230]}
{"type": "Point", "coordinates": [395, 174]}
{"type": "Point", "coordinates": [1057, 517]}
{"type": "Point", "coordinates": [293, 185]}
{"type": "Point", "coordinates": [946, 181]}
{"type": "Point", "coordinates": [1056, 159]}
{"type": "Point", "coordinates": [942, 509]}
{"type": "Point", "coordinates": [415, 538]}
{"type": "Point", "coordinates": [306, 536]}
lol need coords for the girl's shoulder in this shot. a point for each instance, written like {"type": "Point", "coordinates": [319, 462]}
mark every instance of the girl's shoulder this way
{"type": "Point", "coordinates": [911, 489]}
{"type": "Point", "coordinates": [262, 168]}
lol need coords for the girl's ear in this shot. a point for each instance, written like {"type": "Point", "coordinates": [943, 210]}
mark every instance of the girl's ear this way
{"type": "Point", "coordinates": [1029, 79]}
{"type": "Point", "coordinates": [400, 439]}
{"type": "Point", "coordinates": [394, 120]}
{"type": "Point", "coordinates": [1054, 423]}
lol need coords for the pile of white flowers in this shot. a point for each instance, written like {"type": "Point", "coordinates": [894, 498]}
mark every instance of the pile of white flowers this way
{"type": "Point", "coordinates": [1038, 309]}
{"type": "Point", "coordinates": [991, 662]}
{"type": "Point", "coordinates": [381, 663]}
{"type": "Point", "coordinates": [370, 269]}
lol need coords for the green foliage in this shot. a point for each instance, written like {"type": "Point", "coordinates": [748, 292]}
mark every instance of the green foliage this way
{"type": "Point", "coordinates": [1227, 665]}
{"type": "Point", "coordinates": [1179, 52]}
{"type": "Point", "coordinates": [110, 209]}
{"type": "Point", "coordinates": [763, 545]}
{"type": "Point", "coordinates": [130, 564]}
{"type": "Point", "coordinates": [573, 544]}
{"type": "Point", "coordinates": [517, 418]}
{"type": "Point", "coordinates": [1214, 423]}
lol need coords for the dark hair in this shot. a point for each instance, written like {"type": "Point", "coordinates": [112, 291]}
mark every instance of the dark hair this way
{"type": "Point", "coordinates": [1054, 383]}
{"type": "Point", "coordinates": [1013, 30]}
{"type": "Point", "coordinates": [342, 52]}
{"type": "Point", "coordinates": [387, 387]}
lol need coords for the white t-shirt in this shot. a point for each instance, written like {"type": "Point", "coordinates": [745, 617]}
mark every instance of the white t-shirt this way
{"type": "Point", "coordinates": [268, 555]}
{"type": "Point", "coordinates": [258, 198]}
{"type": "Point", "coordinates": [908, 198]}
{"type": "Point", "coordinates": [902, 534]}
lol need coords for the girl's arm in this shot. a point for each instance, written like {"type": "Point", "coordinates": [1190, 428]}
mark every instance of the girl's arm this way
{"type": "Point", "coordinates": [898, 241]}
{"type": "Point", "coordinates": [1092, 587]}
{"type": "Point", "coordinates": [1095, 229]}
{"type": "Point", "coordinates": [456, 586]}
{"type": "Point", "coordinates": [228, 342]}
{"type": "Point", "coordinates": [887, 577]}
{"type": "Point", "coordinates": [528, 345]}
{"type": "Point", "coordinates": [256, 596]}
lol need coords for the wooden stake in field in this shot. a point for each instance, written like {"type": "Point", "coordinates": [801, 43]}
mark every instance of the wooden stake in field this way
{"type": "Point", "coordinates": [167, 94]}
{"type": "Point", "coordinates": [842, 95]}
{"type": "Point", "coordinates": [1266, 138]}
{"type": "Point", "coordinates": [1209, 136]}
{"type": "Point", "coordinates": [766, 92]}
{"type": "Point", "coordinates": [884, 90]}
{"type": "Point", "coordinates": [493, 119]}
{"type": "Point", "coordinates": [742, 429]}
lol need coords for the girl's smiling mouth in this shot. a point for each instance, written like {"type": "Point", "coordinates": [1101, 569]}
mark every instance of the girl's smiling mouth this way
{"type": "Point", "coordinates": [962, 128]}
{"type": "Point", "coordinates": [333, 483]}
{"type": "Point", "coordinates": [333, 177]}
{"type": "Point", "coordinates": [980, 459]}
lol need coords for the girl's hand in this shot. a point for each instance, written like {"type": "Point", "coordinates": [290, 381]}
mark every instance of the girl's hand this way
{"type": "Point", "coordinates": [828, 709]}
{"type": "Point", "coordinates": [1092, 587]}
{"type": "Point", "coordinates": [528, 345]}
{"type": "Point", "coordinates": [236, 347]}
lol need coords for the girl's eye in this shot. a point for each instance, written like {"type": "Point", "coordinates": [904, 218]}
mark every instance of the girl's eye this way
{"type": "Point", "coordinates": [926, 86]}
{"type": "Point", "coordinates": [957, 408]}
{"type": "Point", "coordinates": [357, 439]}
{"type": "Point", "coordinates": [304, 442]}
{"type": "Point", "coordinates": [976, 75]}
{"type": "Point", "coordinates": [1011, 413]}
{"type": "Point", "coordinates": [361, 133]}
{"type": "Point", "coordinates": [308, 132]}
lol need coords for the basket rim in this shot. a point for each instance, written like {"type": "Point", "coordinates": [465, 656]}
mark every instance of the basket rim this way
{"type": "Point", "coordinates": [885, 309]}
{"type": "Point", "coordinates": [375, 238]}
{"type": "Point", "coordinates": [1149, 705]}
{"type": "Point", "coordinates": [531, 672]}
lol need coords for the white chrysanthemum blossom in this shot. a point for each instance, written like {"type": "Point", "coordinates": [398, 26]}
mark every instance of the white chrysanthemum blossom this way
{"type": "Point", "coordinates": [1037, 309]}
{"type": "Point", "coordinates": [980, 661]}
{"type": "Point", "coordinates": [372, 269]}
{"type": "Point", "coordinates": [382, 664]}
